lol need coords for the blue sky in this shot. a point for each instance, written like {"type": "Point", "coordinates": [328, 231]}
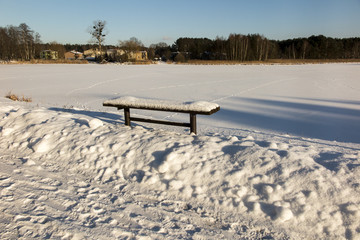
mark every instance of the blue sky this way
{"type": "Point", "coordinates": [67, 21]}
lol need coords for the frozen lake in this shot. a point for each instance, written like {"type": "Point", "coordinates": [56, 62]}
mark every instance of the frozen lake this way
{"type": "Point", "coordinates": [313, 101]}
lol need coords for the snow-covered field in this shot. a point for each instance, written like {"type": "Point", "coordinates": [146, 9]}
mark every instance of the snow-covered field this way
{"type": "Point", "coordinates": [281, 159]}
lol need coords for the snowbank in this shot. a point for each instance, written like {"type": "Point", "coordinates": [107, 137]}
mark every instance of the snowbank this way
{"type": "Point", "coordinates": [67, 175]}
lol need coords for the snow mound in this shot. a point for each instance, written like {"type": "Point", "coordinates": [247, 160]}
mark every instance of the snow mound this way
{"type": "Point", "coordinates": [62, 177]}
{"type": "Point", "coordinates": [95, 123]}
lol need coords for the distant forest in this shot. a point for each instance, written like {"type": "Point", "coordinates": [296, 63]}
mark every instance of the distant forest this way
{"type": "Point", "coordinates": [22, 43]}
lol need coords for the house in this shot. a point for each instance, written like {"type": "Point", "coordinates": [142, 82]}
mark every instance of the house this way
{"type": "Point", "coordinates": [137, 55]}
{"type": "Point", "coordinates": [49, 55]}
{"type": "Point", "coordinates": [91, 53]}
{"type": "Point", "coordinates": [73, 55]}
{"type": "Point", "coordinates": [113, 53]}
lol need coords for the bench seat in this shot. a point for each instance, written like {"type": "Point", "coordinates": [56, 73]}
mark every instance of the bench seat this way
{"type": "Point", "coordinates": [193, 108]}
{"type": "Point", "coordinates": [199, 107]}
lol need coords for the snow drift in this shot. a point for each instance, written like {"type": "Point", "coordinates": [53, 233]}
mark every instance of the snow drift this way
{"type": "Point", "coordinates": [66, 175]}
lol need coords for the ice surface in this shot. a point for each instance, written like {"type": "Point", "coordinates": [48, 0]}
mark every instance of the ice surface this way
{"type": "Point", "coordinates": [319, 101]}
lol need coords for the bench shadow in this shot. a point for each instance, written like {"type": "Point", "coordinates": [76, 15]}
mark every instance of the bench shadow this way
{"type": "Point", "coordinates": [111, 118]}
{"type": "Point", "coordinates": [103, 116]}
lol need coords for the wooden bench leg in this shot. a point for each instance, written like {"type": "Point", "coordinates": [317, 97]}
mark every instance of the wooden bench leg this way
{"type": "Point", "coordinates": [127, 116]}
{"type": "Point", "coordinates": [192, 123]}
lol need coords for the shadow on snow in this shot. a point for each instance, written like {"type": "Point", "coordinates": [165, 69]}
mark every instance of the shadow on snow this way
{"type": "Point", "coordinates": [103, 116]}
{"type": "Point", "coordinates": [302, 119]}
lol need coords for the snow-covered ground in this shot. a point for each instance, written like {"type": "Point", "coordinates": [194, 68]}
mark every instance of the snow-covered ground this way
{"type": "Point", "coordinates": [281, 159]}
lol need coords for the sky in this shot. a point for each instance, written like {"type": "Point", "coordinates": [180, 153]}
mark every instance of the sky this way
{"type": "Point", "coordinates": [154, 21]}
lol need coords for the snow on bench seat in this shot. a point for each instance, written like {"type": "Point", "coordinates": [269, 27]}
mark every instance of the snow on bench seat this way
{"type": "Point", "coordinates": [198, 107]}
{"type": "Point", "coordinates": [193, 108]}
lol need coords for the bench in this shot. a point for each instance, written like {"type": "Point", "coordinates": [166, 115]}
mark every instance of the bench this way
{"type": "Point", "coordinates": [192, 108]}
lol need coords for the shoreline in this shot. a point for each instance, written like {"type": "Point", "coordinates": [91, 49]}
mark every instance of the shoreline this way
{"type": "Point", "coordinates": [194, 62]}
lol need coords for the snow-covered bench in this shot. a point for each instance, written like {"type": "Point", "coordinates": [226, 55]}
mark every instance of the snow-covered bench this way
{"type": "Point", "coordinates": [192, 108]}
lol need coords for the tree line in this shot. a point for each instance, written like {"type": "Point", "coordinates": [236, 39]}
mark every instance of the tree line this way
{"type": "Point", "coordinates": [19, 42]}
{"type": "Point", "coordinates": [23, 43]}
{"type": "Point", "coordinates": [255, 47]}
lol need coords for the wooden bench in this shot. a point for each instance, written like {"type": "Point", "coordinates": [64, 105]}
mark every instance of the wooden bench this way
{"type": "Point", "coordinates": [192, 108]}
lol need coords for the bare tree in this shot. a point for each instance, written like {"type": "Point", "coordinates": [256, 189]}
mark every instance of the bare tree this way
{"type": "Point", "coordinates": [37, 45]}
{"type": "Point", "coordinates": [131, 45]}
{"type": "Point", "coordinates": [26, 39]}
{"type": "Point", "coordinates": [98, 33]}
{"type": "Point", "coordinates": [238, 47]}
{"type": "Point", "coordinates": [304, 48]}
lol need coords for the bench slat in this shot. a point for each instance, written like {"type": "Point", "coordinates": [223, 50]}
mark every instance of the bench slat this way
{"type": "Point", "coordinates": [179, 124]}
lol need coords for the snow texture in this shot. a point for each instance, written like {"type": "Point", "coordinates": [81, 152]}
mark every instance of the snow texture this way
{"type": "Point", "coordinates": [78, 173]}
{"type": "Point", "coordinates": [198, 106]}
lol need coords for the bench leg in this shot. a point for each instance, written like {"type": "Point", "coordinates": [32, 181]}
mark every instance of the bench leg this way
{"type": "Point", "coordinates": [127, 116]}
{"type": "Point", "coordinates": [192, 123]}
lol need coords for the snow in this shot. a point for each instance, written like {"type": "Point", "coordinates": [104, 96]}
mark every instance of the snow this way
{"type": "Point", "coordinates": [133, 102]}
{"type": "Point", "coordinates": [265, 166]}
